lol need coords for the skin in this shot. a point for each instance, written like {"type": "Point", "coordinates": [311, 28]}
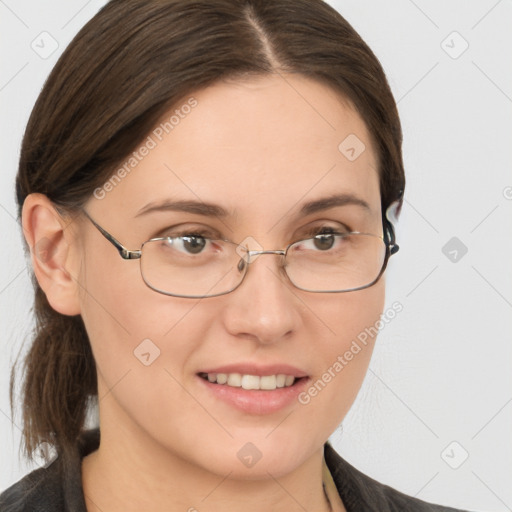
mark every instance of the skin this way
{"type": "Point", "coordinates": [260, 148]}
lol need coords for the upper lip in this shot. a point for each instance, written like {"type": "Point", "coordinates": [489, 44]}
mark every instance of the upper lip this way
{"type": "Point", "coordinates": [259, 370]}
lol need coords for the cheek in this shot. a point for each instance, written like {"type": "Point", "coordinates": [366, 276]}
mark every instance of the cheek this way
{"type": "Point", "coordinates": [338, 319]}
{"type": "Point", "coordinates": [133, 329]}
{"type": "Point", "coordinates": [143, 344]}
{"type": "Point", "coordinates": [344, 351]}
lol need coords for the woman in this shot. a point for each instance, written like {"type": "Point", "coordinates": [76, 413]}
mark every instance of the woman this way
{"type": "Point", "coordinates": [248, 154]}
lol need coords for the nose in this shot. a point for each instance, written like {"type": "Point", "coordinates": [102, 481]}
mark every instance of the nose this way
{"type": "Point", "coordinates": [264, 307]}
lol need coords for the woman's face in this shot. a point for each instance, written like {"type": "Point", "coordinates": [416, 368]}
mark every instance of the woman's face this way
{"type": "Point", "coordinates": [260, 150]}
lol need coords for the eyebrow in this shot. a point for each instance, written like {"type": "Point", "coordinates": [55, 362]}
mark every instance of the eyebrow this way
{"type": "Point", "coordinates": [214, 210]}
{"type": "Point", "coordinates": [333, 201]}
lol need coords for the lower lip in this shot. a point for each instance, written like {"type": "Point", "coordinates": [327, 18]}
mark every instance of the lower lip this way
{"type": "Point", "coordinates": [257, 401]}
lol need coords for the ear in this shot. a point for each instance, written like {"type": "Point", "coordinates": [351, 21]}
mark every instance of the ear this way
{"type": "Point", "coordinates": [54, 255]}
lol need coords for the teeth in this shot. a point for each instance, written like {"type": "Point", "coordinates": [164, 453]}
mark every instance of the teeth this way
{"type": "Point", "coordinates": [249, 382]}
{"type": "Point", "coordinates": [236, 380]}
{"type": "Point", "coordinates": [289, 380]}
{"type": "Point", "coordinates": [281, 380]}
{"type": "Point", "coordinates": [267, 382]}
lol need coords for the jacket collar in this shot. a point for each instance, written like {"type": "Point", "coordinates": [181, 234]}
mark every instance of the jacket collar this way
{"type": "Point", "coordinates": [357, 490]}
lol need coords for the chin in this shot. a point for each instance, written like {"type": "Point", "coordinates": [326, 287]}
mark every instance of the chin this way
{"type": "Point", "coordinates": [252, 456]}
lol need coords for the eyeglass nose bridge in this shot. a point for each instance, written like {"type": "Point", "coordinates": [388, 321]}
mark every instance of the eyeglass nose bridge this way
{"type": "Point", "coordinates": [247, 255]}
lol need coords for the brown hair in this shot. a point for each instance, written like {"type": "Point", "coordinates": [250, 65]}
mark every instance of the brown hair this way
{"type": "Point", "coordinates": [126, 67]}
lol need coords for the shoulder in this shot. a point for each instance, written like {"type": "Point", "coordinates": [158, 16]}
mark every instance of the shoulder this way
{"type": "Point", "coordinates": [57, 487]}
{"type": "Point", "coordinates": [361, 492]}
{"type": "Point", "coordinates": [39, 491]}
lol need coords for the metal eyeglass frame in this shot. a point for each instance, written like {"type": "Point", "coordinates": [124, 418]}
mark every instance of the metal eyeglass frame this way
{"type": "Point", "coordinates": [127, 254]}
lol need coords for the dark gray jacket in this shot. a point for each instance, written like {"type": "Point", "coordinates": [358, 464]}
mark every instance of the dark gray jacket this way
{"type": "Point", "coordinates": [58, 487]}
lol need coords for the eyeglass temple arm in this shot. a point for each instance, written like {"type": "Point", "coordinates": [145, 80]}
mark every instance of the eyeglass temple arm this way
{"type": "Point", "coordinates": [125, 253]}
{"type": "Point", "coordinates": [389, 237]}
{"type": "Point", "coordinates": [390, 216]}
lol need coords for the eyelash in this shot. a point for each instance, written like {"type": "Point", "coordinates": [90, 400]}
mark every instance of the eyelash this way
{"type": "Point", "coordinates": [327, 230]}
{"type": "Point", "coordinates": [310, 233]}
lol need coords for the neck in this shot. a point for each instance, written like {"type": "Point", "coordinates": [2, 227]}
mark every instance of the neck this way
{"type": "Point", "coordinates": [131, 472]}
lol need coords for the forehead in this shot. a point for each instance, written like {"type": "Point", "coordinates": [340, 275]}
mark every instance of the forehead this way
{"type": "Point", "coordinates": [254, 146]}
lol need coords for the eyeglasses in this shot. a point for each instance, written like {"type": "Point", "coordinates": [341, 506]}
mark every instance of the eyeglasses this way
{"type": "Point", "coordinates": [195, 266]}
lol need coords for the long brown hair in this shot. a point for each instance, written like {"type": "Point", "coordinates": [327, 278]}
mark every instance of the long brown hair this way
{"type": "Point", "coordinates": [127, 66]}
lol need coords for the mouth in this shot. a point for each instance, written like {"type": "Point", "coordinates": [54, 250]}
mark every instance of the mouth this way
{"type": "Point", "coordinates": [252, 382]}
{"type": "Point", "coordinates": [254, 387]}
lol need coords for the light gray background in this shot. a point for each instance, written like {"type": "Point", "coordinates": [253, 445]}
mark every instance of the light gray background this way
{"type": "Point", "coordinates": [441, 371]}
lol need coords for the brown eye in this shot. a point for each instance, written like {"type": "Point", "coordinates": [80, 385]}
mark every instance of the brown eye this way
{"type": "Point", "coordinates": [324, 242]}
{"type": "Point", "coordinates": [193, 244]}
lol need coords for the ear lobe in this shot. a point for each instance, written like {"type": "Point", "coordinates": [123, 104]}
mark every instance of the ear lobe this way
{"type": "Point", "coordinates": [53, 253]}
